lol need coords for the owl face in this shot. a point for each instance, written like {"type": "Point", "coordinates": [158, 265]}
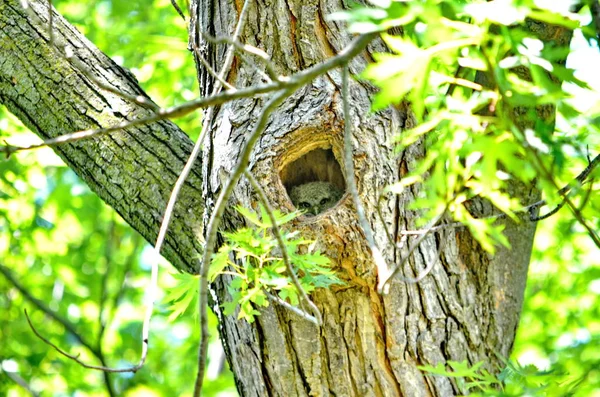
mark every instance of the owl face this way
{"type": "Point", "coordinates": [315, 197]}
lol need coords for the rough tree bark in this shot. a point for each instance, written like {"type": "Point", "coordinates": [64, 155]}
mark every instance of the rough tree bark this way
{"type": "Point", "coordinates": [369, 345]}
{"type": "Point", "coordinates": [133, 170]}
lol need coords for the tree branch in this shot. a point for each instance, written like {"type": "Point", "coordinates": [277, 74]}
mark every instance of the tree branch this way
{"type": "Point", "coordinates": [316, 317]}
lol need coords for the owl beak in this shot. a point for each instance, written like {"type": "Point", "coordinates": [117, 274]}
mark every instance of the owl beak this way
{"type": "Point", "coordinates": [315, 210]}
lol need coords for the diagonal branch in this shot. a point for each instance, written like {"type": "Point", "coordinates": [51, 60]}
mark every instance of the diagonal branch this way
{"type": "Point", "coordinates": [76, 358]}
{"type": "Point", "coordinates": [316, 318]}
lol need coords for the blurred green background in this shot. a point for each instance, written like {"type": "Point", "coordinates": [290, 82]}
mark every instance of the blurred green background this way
{"type": "Point", "coordinates": [73, 253]}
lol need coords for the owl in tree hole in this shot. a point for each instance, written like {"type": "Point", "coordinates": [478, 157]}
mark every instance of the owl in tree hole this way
{"type": "Point", "coordinates": [315, 197]}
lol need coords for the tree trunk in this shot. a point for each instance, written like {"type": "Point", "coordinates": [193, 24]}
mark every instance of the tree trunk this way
{"type": "Point", "coordinates": [466, 309]}
{"type": "Point", "coordinates": [370, 345]}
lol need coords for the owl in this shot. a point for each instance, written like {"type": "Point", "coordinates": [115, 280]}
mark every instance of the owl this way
{"type": "Point", "coordinates": [315, 197]}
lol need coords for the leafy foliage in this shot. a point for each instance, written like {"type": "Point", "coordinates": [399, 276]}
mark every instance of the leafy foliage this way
{"type": "Point", "coordinates": [483, 91]}
{"type": "Point", "coordinates": [251, 255]}
{"type": "Point", "coordinates": [514, 380]}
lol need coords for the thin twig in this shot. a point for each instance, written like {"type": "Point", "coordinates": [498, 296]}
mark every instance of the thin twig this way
{"type": "Point", "coordinates": [177, 8]}
{"type": "Point", "coordinates": [429, 267]}
{"type": "Point", "coordinates": [77, 136]}
{"type": "Point", "coordinates": [138, 99]}
{"type": "Point", "coordinates": [380, 262]}
{"type": "Point", "coordinates": [389, 236]}
{"type": "Point", "coordinates": [217, 215]}
{"type": "Point", "coordinates": [316, 318]}
{"type": "Point", "coordinates": [290, 307]}
{"type": "Point", "coordinates": [20, 381]}
{"type": "Point", "coordinates": [246, 49]}
{"type": "Point", "coordinates": [68, 53]}
{"type": "Point", "coordinates": [382, 286]}
{"type": "Point", "coordinates": [172, 112]}
{"type": "Point", "coordinates": [49, 312]}
{"type": "Point", "coordinates": [210, 69]}
{"type": "Point", "coordinates": [588, 195]}
{"type": "Point", "coordinates": [579, 180]}
{"type": "Point", "coordinates": [184, 109]}
{"type": "Point", "coordinates": [67, 325]}
{"type": "Point", "coordinates": [534, 218]}
{"type": "Point", "coordinates": [206, 123]}
{"type": "Point", "coordinates": [131, 260]}
{"type": "Point", "coordinates": [76, 358]}
{"type": "Point", "coordinates": [108, 258]}
{"type": "Point", "coordinates": [578, 215]}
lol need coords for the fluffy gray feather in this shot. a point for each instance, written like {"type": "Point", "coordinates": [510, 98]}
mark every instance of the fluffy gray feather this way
{"type": "Point", "coordinates": [315, 197]}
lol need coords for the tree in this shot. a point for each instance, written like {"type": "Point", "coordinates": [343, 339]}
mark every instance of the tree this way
{"type": "Point", "coordinates": [466, 309]}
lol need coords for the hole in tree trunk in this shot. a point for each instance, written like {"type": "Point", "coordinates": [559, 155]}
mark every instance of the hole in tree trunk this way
{"type": "Point", "coordinates": [314, 182]}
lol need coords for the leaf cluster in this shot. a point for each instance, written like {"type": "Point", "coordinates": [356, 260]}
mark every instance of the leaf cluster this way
{"type": "Point", "coordinates": [253, 257]}
{"type": "Point", "coordinates": [514, 380]}
{"type": "Point", "coordinates": [485, 83]}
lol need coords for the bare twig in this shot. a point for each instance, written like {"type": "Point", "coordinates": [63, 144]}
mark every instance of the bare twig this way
{"type": "Point", "coordinates": [246, 49]}
{"type": "Point", "coordinates": [316, 318]}
{"type": "Point", "coordinates": [211, 71]}
{"type": "Point", "coordinates": [131, 260]}
{"type": "Point", "coordinates": [177, 8]}
{"type": "Point", "coordinates": [454, 225]}
{"type": "Point", "coordinates": [67, 53]}
{"type": "Point", "coordinates": [20, 381]}
{"type": "Point", "coordinates": [138, 99]}
{"type": "Point", "coordinates": [579, 180]}
{"type": "Point", "coordinates": [103, 298]}
{"type": "Point", "coordinates": [104, 282]}
{"type": "Point", "coordinates": [49, 312]}
{"type": "Point", "coordinates": [186, 108]}
{"type": "Point", "coordinates": [389, 236]}
{"type": "Point", "coordinates": [576, 212]}
{"type": "Point", "coordinates": [76, 358]}
{"type": "Point", "coordinates": [588, 195]}
{"type": "Point", "coordinates": [381, 287]}
{"type": "Point", "coordinates": [429, 267]}
{"type": "Point", "coordinates": [207, 122]}
{"type": "Point", "coordinates": [294, 309]}
{"type": "Point", "coordinates": [534, 218]}
{"type": "Point", "coordinates": [68, 326]}
{"type": "Point", "coordinates": [380, 262]}
{"type": "Point", "coordinates": [172, 112]}
{"type": "Point", "coordinates": [77, 136]}
{"type": "Point", "coordinates": [217, 215]}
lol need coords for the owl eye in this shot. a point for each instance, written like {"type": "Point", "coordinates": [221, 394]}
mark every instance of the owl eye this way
{"type": "Point", "coordinates": [324, 201]}
{"type": "Point", "coordinates": [304, 204]}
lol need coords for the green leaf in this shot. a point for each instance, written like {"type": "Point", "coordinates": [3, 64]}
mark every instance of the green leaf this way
{"type": "Point", "coordinates": [184, 294]}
